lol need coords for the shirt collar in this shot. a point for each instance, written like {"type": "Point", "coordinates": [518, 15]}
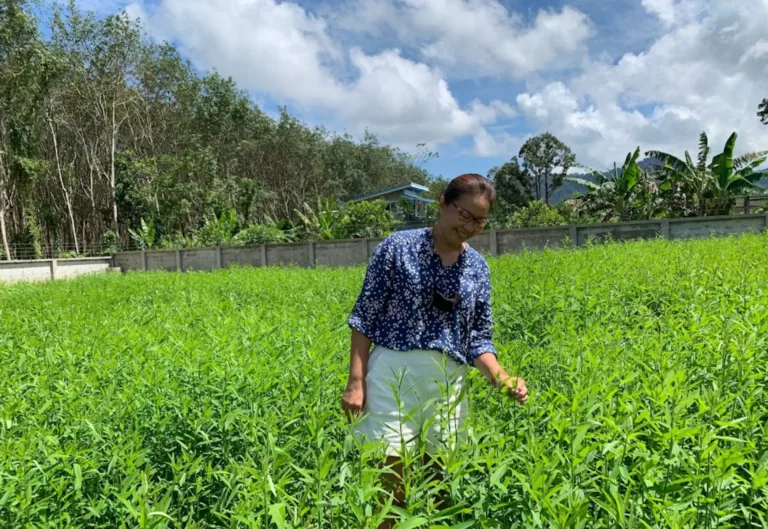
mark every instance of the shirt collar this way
{"type": "Point", "coordinates": [428, 246]}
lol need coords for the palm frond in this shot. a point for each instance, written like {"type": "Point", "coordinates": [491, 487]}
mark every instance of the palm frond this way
{"type": "Point", "coordinates": [586, 183]}
{"type": "Point", "coordinates": [703, 150]}
{"type": "Point", "coordinates": [748, 158]}
{"type": "Point", "coordinates": [594, 172]}
{"type": "Point", "coordinates": [669, 160]}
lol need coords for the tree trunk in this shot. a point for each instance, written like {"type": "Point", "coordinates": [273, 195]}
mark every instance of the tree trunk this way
{"type": "Point", "coordinates": [3, 205]}
{"type": "Point", "coordinates": [2, 221]}
{"type": "Point", "coordinates": [112, 184]}
{"type": "Point", "coordinates": [64, 187]}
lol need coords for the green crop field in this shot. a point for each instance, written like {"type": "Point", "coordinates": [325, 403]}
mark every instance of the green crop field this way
{"type": "Point", "coordinates": [212, 399]}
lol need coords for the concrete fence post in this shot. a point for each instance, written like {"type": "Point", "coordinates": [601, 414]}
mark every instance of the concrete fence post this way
{"type": "Point", "coordinates": [311, 254]}
{"type": "Point", "coordinates": [144, 260]}
{"type": "Point", "coordinates": [665, 228]}
{"type": "Point", "coordinates": [54, 269]}
{"type": "Point", "coordinates": [263, 255]}
{"type": "Point", "coordinates": [494, 243]}
{"type": "Point", "coordinates": [364, 246]}
{"type": "Point", "coordinates": [747, 208]}
{"type": "Point", "coordinates": [766, 220]}
{"type": "Point", "coordinates": [219, 257]}
{"type": "Point", "coordinates": [573, 234]}
{"type": "Point", "coordinates": [178, 261]}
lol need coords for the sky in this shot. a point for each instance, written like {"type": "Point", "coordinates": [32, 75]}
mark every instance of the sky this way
{"type": "Point", "coordinates": [473, 79]}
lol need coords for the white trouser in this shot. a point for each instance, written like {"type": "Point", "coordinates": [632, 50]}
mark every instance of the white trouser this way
{"type": "Point", "coordinates": [413, 396]}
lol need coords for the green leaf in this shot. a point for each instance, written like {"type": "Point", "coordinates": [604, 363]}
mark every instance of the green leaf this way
{"type": "Point", "coordinates": [277, 513]}
{"type": "Point", "coordinates": [78, 476]}
{"type": "Point", "coordinates": [410, 523]}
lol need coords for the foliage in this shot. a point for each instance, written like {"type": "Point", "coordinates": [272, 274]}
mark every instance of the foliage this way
{"type": "Point", "coordinates": [535, 214]}
{"type": "Point", "coordinates": [627, 193]}
{"type": "Point", "coordinates": [762, 112]}
{"type": "Point", "coordinates": [709, 186]}
{"type": "Point", "coordinates": [217, 403]}
{"type": "Point", "coordinates": [144, 237]}
{"type": "Point", "coordinates": [547, 160]}
{"type": "Point", "coordinates": [321, 223]}
{"type": "Point", "coordinates": [366, 219]}
{"type": "Point", "coordinates": [122, 128]}
{"type": "Point", "coordinates": [513, 189]}
{"type": "Point", "coordinates": [109, 244]}
{"type": "Point", "coordinates": [328, 220]}
{"type": "Point", "coordinates": [218, 231]}
{"type": "Point", "coordinates": [262, 234]}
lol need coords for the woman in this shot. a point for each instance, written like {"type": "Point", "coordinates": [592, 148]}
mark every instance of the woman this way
{"type": "Point", "coordinates": [425, 306]}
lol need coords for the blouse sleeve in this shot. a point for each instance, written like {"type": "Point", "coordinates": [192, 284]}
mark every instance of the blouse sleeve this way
{"type": "Point", "coordinates": [377, 288]}
{"type": "Point", "coordinates": [481, 337]}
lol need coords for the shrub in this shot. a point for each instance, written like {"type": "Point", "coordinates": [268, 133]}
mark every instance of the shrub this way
{"type": "Point", "coordinates": [534, 215]}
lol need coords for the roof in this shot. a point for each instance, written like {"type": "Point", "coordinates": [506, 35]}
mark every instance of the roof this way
{"type": "Point", "coordinates": [417, 197]}
{"type": "Point", "coordinates": [410, 186]}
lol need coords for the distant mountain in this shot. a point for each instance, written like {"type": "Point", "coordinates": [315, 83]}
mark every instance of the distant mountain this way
{"type": "Point", "coordinates": [568, 189]}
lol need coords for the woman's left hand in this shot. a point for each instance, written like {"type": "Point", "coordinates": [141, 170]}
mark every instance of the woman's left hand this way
{"type": "Point", "coordinates": [515, 388]}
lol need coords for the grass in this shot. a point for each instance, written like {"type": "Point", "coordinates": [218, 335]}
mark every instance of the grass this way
{"type": "Point", "coordinates": [212, 399]}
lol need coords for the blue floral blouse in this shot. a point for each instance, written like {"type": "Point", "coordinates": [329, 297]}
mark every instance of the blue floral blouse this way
{"type": "Point", "coordinates": [396, 308]}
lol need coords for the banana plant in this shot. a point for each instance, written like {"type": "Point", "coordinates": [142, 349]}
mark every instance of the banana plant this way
{"type": "Point", "coordinates": [145, 236]}
{"type": "Point", "coordinates": [724, 177]}
{"type": "Point", "coordinates": [321, 223]}
{"type": "Point", "coordinates": [736, 175]}
{"type": "Point", "coordinates": [626, 191]}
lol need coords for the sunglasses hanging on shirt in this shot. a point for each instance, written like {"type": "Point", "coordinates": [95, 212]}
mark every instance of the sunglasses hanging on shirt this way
{"type": "Point", "coordinates": [444, 302]}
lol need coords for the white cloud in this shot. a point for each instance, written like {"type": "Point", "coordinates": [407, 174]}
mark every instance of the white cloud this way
{"type": "Point", "coordinates": [501, 144]}
{"type": "Point", "coordinates": [695, 78]}
{"type": "Point", "coordinates": [758, 52]}
{"type": "Point", "coordinates": [476, 37]}
{"type": "Point", "coordinates": [706, 72]}
{"type": "Point", "coordinates": [283, 50]}
{"type": "Point", "coordinates": [674, 12]}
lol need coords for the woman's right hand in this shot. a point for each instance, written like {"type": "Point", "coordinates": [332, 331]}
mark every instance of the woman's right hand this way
{"type": "Point", "coordinates": [353, 400]}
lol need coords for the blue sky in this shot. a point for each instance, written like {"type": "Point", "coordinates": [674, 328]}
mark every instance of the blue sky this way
{"type": "Point", "coordinates": [473, 79]}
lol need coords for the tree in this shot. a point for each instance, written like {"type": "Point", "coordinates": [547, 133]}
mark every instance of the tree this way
{"type": "Point", "coordinates": [101, 127]}
{"type": "Point", "coordinates": [535, 214]}
{"type": "Point", "coordinates": [24, 70]}
{"type": "Point", "coordinates": [547, 160]}
{"type": "Point", "coordinates": [627, 193]}
{"type": "Point", "coordinates": [513, 186]}
{"type": "Point", "coordinates": [712, 183]}
{"type": "Point", "coordinates": [762, 112]}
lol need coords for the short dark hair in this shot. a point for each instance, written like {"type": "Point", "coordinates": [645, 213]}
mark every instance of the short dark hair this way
{"type": "Point", "coordinates": [469, 184]}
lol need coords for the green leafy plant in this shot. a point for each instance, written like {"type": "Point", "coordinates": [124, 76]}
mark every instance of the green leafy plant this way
{"type": "Point", "coordinates": [322, 221]}
{"type": "Point", "coordinates": [144, 238]}
{"type": "Point", "coordinates": [366, 219]}
{"type": "Point", "coordinates": [535, 214]}
{"type": "Point", "coordinates": [109, 243]}
{"type": "Point", "coordinates": [218, 231]}
{"type": "Point", "coordinates": [262, 234]}
{"type": "Point", "coordinates": [711, 184]}
{"type": "Point", "coordinates": [216, 405]}
{"type": "Point", "coordinates": [626, 193]}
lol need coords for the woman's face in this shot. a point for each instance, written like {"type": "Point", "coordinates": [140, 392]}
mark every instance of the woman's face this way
{"type": "Point", "coordinates": [464, 218]}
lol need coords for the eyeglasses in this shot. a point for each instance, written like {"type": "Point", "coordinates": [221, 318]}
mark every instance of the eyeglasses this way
{"type": "Point", "coordinates": [465, 217]}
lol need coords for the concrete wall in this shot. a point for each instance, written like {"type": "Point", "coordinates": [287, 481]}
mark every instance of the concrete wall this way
{"type": "Point", "coordinates": [129, 260]}
{"type": "Point", "coordinates": [46, 269]}
{"type": "Point", "coordinates": [358, 251]}
{"type": "Point", "coordinates": [710, 226]}
{"type": "Point", "coordinates": [243, 256]}
{"type": "Point", "coordinates": [517, 240]}
{"type": "Point", "coordinates": [620, 232]}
